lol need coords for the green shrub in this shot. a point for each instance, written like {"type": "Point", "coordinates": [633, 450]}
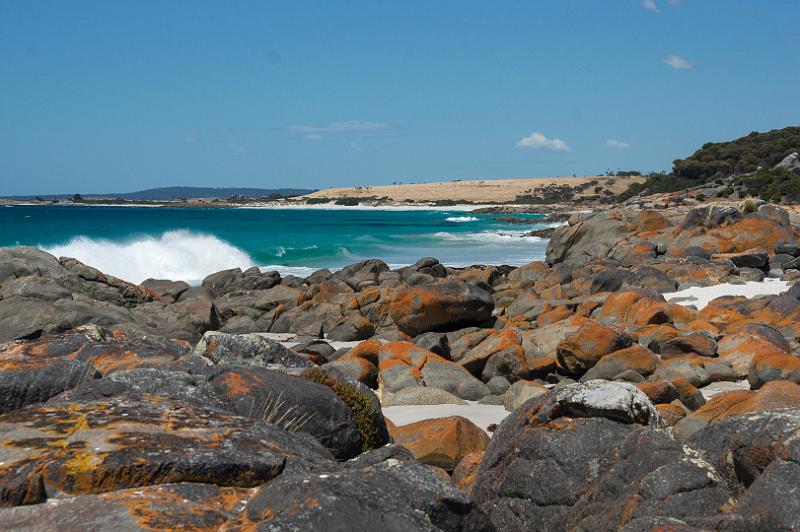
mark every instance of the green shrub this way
{"type": "Point", "coordinates": [358, 402]}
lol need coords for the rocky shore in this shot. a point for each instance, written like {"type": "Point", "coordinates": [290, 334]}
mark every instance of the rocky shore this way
{"type": "Point", "coordinates": [163, 406]}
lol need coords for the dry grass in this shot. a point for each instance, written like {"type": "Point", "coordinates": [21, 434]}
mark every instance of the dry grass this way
{"type": "Point", "coordinates": [477, 191]}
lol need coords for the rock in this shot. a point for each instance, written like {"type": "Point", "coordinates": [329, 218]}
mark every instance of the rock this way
{"type": "Point", "coordinates": [774, 395]}
{"type": "Point", "coordinates": [757, 453]}
{"type": "Point", "coordinates": [788, 248]}
{"type": "Point", "coordinates": [167, 506]}
{"type": "Point", "coordinates": [442, 307]}
{"type": "Point", "coordinates": [420, 395]}
{"type": "Point", "coordinates": [636, 358]}
{"type": "Point", "coordinates": [587, 237]}
{"type": "Point", "coordinates": [671, 413]}
{"type": "Point", "coordinates": [33, 372]}
{"type": "Point", "coordinates": [498, 385]}
{"type": "Point", "coordinates": [133, 441]}
{"type": "Point", "coordinates": [745, 259]}
{"type": "Point", "coordinates": [299, 405]}
{"type": "Point", "coordinates": [790, 162]}
{"type": "Point", "coordinates": [466, 472]}
{"type": "Point", "coordinates": [697, 251]}
{"type": "Point", "coordinates": [688, 394]}
{"type": "Point", "coordinates": [354, 327]}
{"type": "Point", "coordinates": [249, 349]}
{"type": "Point", "coordinates": [402, 364]}
{"type": "Point", "coordinates": [519, 393]}
{"type": "Point", "coordinates": [359, 369]}
{"type": "Point", "coordinates": [659, 391]}
{"type": "Point", "coordinates": [166, 290]}
{"type": "Point", "coordinates": [700, 343]}
{"type": "Point", "coordinates": [434, 342]}
{"type": "Point", "coordinates": [384, 490]}
{"type": "Point", "coordinates": [506, 343]}
{"type": "Point", "coordinates": [314, 347]}
{"type": "Point", "coordinates": [582, 349]}
{"type": "Point", "coordinates": [607, 460]}
{"type": "Point", "coordinates": [774, 367]}
{"type": "Point", "coordinates": [362, 274]}
{"type": "Point", "coordinates": [755, 341]}
{"type": "Point", "coordinates": [683, 367]}
{"type": "Point", "coordinates": [441, 442]}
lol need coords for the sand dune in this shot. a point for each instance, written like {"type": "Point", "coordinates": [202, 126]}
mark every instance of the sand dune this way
{"type": "Point", "coordinates": [484, 190]}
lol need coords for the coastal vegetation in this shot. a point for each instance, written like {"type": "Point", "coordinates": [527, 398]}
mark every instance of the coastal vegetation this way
{"type": "Point", "coordinates": [745, 166]}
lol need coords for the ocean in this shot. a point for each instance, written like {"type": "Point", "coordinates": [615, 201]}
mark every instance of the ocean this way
{"type": "Point", "coordinates": [136, 243]}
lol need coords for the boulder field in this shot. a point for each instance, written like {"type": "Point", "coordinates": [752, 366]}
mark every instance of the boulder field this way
{"type": "Point", "coordinates": [164, 406]}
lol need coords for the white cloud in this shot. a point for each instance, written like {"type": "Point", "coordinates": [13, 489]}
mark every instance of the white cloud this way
{"type": "Point", "coordinates": [339, 127]}
{"type": "Point", "coordinates": [537, 140]}
{"type": "Point", "coordinates": [312, 136]}
{"type": "Point", "coordinates": [678, 62]}
{"type": "Point", "coordinates": [617, 144]}
{"type": "Point", "coordinates": [650, 5]}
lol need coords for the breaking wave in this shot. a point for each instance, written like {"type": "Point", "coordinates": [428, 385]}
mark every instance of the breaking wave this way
{"type": "Point", "coordinates": [176, 255]}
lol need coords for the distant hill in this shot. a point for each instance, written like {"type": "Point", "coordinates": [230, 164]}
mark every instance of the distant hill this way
{"type": "Point", "coordinates": [745, 166]}
{"type": "Point", "coordinates": [177, 193]}
{"type": "Point", "coordinates": [741, 156]}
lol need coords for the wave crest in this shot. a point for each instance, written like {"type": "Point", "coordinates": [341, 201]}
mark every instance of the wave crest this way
{"type": "Point", "coordinates": [176, 255]}
{"type": "Point", "coordinates": [457, 219]}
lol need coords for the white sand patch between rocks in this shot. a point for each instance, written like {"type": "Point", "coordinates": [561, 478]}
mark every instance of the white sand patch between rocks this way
{"type": "Point", "coordinates": [290, 340]}
{"type": "Point", "coordinates": [481, 415]}
{"type": "Point", "coordinates": [700, 296]}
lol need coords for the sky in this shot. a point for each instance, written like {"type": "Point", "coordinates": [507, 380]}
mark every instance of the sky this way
{"type": "Point", "coordinates": [111, 96]}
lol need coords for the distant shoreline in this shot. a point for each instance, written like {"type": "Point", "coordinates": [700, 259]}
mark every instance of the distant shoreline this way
{"type": "Point", "coordinates": [510, 195]}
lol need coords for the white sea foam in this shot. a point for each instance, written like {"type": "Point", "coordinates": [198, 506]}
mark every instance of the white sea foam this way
{"type": "Point", "coordinates": [175, 255]}
{"type": "Point", "coordinates": [461, 219]}
{"type": "Point", "coordinates": [501, 237]}
{"type": "Point", "coordinates": [297, 271]}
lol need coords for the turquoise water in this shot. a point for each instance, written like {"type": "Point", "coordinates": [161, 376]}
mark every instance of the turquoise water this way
{"type": "Point", "coordinates": [135, 243]}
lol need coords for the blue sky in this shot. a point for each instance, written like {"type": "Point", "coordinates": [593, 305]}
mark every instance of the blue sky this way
{"type": "Point", "coordinates": [113, 96]}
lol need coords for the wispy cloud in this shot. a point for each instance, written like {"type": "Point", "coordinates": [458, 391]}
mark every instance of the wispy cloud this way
{"type": "Point", "coordinates": [339, 127]}
{"type": "Point", "coordinates": [677, 62]}
{"type": "Point", "coordinates": [650, 5]}
{"type": "Point", "coordinates": [536, 140]}
{"type": "Point", "coordinates": [313, 136]}
{"type": "Point", "coordinates": [237, 149]}
{"type": "Point", "coordinates": [617, 144]}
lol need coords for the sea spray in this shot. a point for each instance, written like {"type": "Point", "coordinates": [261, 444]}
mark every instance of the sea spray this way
{"type": "Point", "coordinates": [180, 254]}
